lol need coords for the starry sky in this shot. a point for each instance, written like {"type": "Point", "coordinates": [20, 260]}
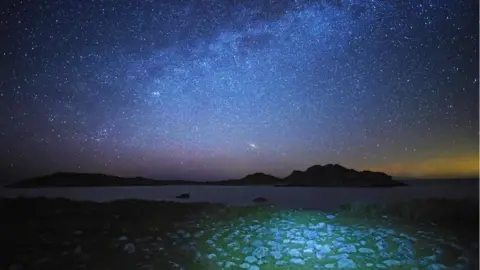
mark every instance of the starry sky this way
{"type": "Point", "coordinates": [212, 89]}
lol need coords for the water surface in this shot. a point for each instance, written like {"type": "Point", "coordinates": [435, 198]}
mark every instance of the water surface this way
{"type": "Point", "coordinates": [322, 198]}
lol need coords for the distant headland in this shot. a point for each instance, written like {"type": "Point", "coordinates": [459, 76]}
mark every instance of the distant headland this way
{"type": "Point", "coordinates": [330, 175]}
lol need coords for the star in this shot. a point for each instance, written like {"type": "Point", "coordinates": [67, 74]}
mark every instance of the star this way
{"type": "Point", "coordinates": [151, 85]}
{"type": "Point", "coordinates": [252, 146]}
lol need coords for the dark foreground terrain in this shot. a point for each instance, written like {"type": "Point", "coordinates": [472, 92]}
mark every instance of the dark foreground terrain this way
{"type": "Point", "coordinates": [44, 233]}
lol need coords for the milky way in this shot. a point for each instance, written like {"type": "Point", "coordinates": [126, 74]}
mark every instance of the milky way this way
{"type": "Point", "coordinates": [212, 90]}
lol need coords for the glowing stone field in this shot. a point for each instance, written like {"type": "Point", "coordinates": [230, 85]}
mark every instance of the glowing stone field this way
{"type": "Point", "coordinates": [314, 240]}
{"type": "Point", "coordinates": [283, 241]}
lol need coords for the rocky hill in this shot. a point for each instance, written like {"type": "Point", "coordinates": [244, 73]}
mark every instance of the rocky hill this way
{"type": "Point", "coordinates": [336, 175]}
{"type": "Point", "coordinates": [317, 175]}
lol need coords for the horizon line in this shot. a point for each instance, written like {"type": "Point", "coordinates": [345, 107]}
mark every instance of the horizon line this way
{"type": "Point", "coordinates": [394, 177]}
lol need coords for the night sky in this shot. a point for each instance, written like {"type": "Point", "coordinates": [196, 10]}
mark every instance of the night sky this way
{"type": "Point", "coordinates": [210, 90]}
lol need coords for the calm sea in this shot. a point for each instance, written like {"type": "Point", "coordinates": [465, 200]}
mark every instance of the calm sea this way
{"type": "Point", "coordinates": [292, 197]}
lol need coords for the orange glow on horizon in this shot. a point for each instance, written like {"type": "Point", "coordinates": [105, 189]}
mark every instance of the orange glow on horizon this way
{"type": "Point", "coordinates": [442, 167]}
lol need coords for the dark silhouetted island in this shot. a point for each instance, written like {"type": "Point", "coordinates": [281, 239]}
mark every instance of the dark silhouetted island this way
{"type": "Point", "coordinates": [252, 179]}
{"type": "Point", "coordinates": [334, 175]}
{"type": "Point", "coordinates": [316, 176]}
{"type": "Point", "coordinates": [183, 196]}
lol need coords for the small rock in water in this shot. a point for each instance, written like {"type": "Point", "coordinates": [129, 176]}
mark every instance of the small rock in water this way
{"type": "Point", "coordinates": [129, 248]}
{"type": "Point", "coordinates": [294, 252]}
{"type": "Point", "coordinates": [385, 254]}
{"type": "Point", "coordinates": [232, 244]}
{"type": "Point", "coordinates": [78, 232]}
{"type": "Point", "coordinates": [257, 243]}
{"type": "Point", "coordinates": [366, 250]}
{"type": "Point", "coordinates": [389, 231]}
{"type": "Point", "coordinates": [250, 259]}
{"type": "Point", "coordinates": [406, 250]}
{"type": "Point", "coordinates": [346, 263]}
{"type": "Point", "coordinates": [330, 216]}
{"type": "Point", "coordinates": [462, 258]}
{"type": "Point", "coordinates": [183, 196]}
{"type": "Point", "coordinates": [297, 261]}
{"type": "Point", "coordinates": [348, 248]}
{"type": "Point", "coordinates": [311, 244]}
{"type": "Point", "coordinates": [253, 267]}
{"type": "Point", "coordinates": [435, 266]}
{"type": "Point", "coordinates": [426, 260]}
{"type": "Point", "coordinates": [323, 248]}
{"type": "Point", "coordinates": [339, 256]}
{"type": "Point", "coordinates": [391, 262]}
{"type": "Point", "coordinates": [330, 265]}
{"type": "Point", "coordinates": [211, 256]}
{"type": "Point", "coordinates": [319, 255]}
{"type": "Point", "coordinates": [297, 241]}
{"type": "Point", "coordinates": [259, 200]}
{"type": "Point", "coordinates": [310, 234]}
{"type": "Point", "coordinates": [244, 266]}
{"type": "Point", "coordinates": [438, 251]}
{"type": "Point", "coordinates": [308, 251]}
{"type": "Point", "coordinates": [78, 250]}
{"type": "Point", "coordinates": [260, 252]}
{"type": "Point", "coordinates": [382, 244]}
{"type": "Point", "coordinates": [276, 254]}
{"type": "Point", "coordinates": [122, 238]}
{"type": "Point", "coordinates": [210, 242]}
{"type": "Point", "coordinates": [247, 250]}
{"type": "Point", "coordinates": [229, 264]}
{"type": "Point", "coordinates": [15, 267]}
{"type": "Point", "coordinates": [174, 264]}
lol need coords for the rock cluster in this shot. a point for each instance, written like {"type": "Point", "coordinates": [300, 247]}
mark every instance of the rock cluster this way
{"type": "Point", "coordinates": [281, 241]}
